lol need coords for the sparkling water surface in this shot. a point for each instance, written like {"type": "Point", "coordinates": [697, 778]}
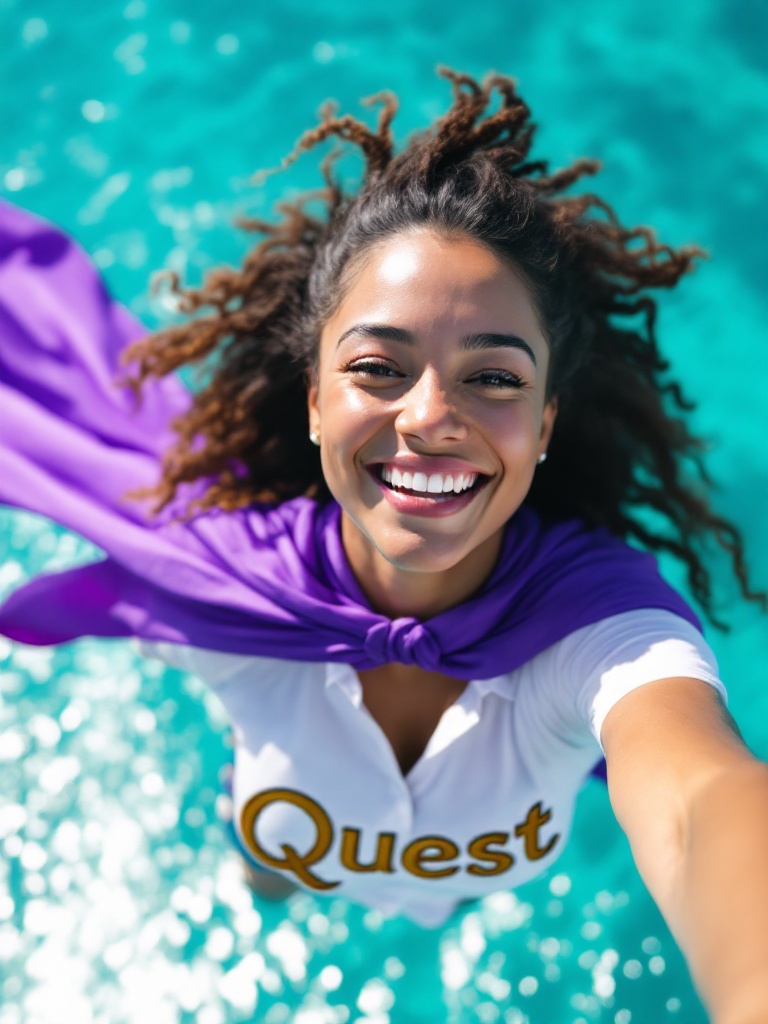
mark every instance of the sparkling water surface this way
{"type": "Point", "coordinates": [137, 127]}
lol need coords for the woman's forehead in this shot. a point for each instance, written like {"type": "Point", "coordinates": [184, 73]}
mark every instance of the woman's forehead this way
{"type": "Point", "coordinates": [425, 254]}
{"type": "Point", "coordinates": [418, 280]}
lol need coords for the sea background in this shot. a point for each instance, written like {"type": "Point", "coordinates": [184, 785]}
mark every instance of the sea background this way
{"type": "Point", "coordinates": [137, 127]}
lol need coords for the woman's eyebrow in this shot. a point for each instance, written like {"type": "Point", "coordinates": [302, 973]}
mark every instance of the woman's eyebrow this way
{"type": "Point", "coordinates": [470, 341]}
{"type": "Point", "coordinates": [379, 331]}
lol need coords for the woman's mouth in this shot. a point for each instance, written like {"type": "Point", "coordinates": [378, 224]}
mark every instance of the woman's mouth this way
{"type": "Point", "coordinates": [421, 493]}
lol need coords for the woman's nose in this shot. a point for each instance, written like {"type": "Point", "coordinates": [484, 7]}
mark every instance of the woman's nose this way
{"type": "Point", "coordinates": [429, 412]}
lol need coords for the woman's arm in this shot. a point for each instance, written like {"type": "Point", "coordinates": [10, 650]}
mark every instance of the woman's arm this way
{"type": "Point", "coordinates": [694, 804]}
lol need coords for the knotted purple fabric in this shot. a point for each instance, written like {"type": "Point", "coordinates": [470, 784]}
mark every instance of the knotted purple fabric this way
{"type": "Point", "coordinates": [268, 580]}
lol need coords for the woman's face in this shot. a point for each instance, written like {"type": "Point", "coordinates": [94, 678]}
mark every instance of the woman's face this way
{"type": "Point", "coordinates": [430, 403]}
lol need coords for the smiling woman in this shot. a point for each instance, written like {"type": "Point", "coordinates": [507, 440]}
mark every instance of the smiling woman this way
{"type": "Point", "coordinates": [425, 634]}
{"type": "Point", "coordinates": [418, 393]}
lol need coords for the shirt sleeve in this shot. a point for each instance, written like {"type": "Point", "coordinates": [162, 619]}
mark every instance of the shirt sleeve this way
{"type": "Point", "coordinates": [611, 658]}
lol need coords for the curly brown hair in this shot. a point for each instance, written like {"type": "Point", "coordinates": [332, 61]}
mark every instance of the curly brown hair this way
{"type": "Point", "coordinates": [617, 453]}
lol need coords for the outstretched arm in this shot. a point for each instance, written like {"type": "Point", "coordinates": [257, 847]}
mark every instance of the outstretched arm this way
{"type": "Point", "coordinates": [693, 802]}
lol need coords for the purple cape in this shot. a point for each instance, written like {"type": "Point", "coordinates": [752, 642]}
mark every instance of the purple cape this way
{"type": "Point", "coordinates": [266, 580]}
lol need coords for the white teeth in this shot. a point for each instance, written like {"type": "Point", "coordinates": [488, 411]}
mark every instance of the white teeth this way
{"type": "Point", "coordinates": [434, 483]}
{"type": "Point", "coordinates": [463, 481]}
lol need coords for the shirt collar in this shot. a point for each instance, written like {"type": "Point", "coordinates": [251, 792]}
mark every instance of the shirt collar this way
{"type": "Point", "coordinates": [344, 676]}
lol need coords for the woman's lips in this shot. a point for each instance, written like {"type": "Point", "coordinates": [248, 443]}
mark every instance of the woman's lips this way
{"type": "Point", "coordinates": [428, 505]}
{"type": "Point", "coordinates": [428, 464]}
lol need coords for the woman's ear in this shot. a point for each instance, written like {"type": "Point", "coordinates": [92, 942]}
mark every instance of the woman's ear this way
{"type": "Point", "coordinates": [312, 403]}
{"type": "Point", "coordinates": [548, 423]}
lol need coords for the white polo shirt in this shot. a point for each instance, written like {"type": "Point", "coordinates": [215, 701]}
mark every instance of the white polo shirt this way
{"type": "Point", "coordinates": [318, 793]}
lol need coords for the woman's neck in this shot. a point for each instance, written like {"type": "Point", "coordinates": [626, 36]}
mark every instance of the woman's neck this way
{"type": "Point", "coordinates": [401, 593]}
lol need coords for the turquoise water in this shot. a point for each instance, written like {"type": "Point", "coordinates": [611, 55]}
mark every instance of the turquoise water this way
{"type": "Point", "coordinates": [137, 126]}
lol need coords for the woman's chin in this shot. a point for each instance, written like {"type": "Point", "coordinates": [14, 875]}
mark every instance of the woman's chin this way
{"type": "Point", "coordinates": [423, 563]}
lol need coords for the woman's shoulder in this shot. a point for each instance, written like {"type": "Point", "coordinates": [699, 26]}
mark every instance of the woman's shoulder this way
{"type": "Point", "coordinates": [212, 666]}
{"type": "Point", "coordinates": [636, 623]}
{"type": "Point", "coordinates": [216, 668]}
{"type": "Point", "coordinates": [592, 668]}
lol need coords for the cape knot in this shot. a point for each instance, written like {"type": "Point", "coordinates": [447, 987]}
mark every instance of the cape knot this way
{"type": "Point", "coordinates": [405, 640]}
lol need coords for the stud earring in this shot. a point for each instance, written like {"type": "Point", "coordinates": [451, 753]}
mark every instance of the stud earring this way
{"type": "Point", "coordinates": [314, 437]}
{"type": "Point", "coordinates": [541, 458]}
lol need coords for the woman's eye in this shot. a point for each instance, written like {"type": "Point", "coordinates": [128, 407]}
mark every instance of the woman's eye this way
{"type": "Point", "coordinates": [371, 369]}
{"type": "Point", "coordinates": [498, 379]}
